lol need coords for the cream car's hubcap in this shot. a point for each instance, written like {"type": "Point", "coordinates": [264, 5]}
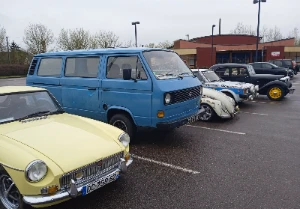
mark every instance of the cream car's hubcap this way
{"type": "Point", "coordinates": [9, 194]}
{"type": "Point", "coordinates": [208, 112]}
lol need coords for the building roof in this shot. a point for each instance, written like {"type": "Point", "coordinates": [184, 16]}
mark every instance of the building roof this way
{"type": "Point", "coordinates": [16, 89]}
{"type": "Point", "coordinates": [217, 35]}
{"type": "Point", "coordinates": [99, 51]}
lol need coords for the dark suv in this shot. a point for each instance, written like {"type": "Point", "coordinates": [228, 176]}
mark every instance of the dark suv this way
{"type": "Point", "coordinates": [286, 63]}
{"type": "Point", "coordinates": [269, 68]}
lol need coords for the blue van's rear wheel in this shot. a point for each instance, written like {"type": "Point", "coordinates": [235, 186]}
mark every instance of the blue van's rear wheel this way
{"type": "Point", "coordinates": [124, 123]}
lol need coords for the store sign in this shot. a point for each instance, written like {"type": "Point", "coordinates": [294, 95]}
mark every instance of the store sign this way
{"type": "Point", "coordinates": [275, 54]}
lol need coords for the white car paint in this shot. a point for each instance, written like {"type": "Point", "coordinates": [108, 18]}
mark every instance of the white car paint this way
{"type": "Point", "coordinates": [223, 105]}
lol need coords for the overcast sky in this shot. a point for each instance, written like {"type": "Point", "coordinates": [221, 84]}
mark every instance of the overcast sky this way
{"type": "Point", "coordinates": [160, 19]}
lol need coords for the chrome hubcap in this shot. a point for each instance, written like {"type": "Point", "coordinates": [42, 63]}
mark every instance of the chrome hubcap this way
{"type": "Point", "coordinates": [121, 125]}
{"type": "Point", "coordinates": [208, 112]}
{"type": "Point", "coordinates": [9, 194]}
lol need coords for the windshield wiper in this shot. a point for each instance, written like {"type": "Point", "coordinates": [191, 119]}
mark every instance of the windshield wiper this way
{"type": "Point", "coordinates": [35, 114]}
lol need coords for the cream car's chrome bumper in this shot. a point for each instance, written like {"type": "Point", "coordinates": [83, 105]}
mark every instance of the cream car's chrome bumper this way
{"type": "Point", "coordinates": [64, 195]}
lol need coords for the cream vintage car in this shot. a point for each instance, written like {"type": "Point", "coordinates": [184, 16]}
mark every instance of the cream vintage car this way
{"type": "Point", "coordinates": [48, 156]}
{"type": "Point", "coordinates": [216, 103]}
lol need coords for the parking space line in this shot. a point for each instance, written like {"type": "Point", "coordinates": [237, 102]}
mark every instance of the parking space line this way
{"type": "Point", "coordinates": [254, 113]}
{"type": "Point", "coordinates": [165, 164]}
{"type": "Point", "coordinates": [215, 129]}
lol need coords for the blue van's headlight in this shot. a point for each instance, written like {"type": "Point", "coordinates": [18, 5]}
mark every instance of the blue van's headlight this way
{"type": "Point", "coordinates": [167, 98]}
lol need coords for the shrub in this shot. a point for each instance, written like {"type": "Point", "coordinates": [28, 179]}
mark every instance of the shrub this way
{"type": "Point", "coordinates": [11, 70]}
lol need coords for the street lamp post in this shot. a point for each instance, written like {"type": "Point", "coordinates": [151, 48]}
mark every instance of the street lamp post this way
{"type": "Point", "coordinates": [212, 42]}
{"type": "Point", "coordinates": [135, 23]}
{"type": "Point", "coordinates": [258, 24]}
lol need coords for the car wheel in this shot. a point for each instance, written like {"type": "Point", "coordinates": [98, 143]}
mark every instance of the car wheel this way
{"type": "Point", "coordinates": [275, 93]}
{"type": "Point", "coordinates": [124, 123]}
{"type": "Point", "coordinates": [10, 196]}
{"type": "Point", "coordinates": [209, 113]}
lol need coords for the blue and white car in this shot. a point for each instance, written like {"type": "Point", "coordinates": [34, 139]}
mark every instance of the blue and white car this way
{"type": "Point", "coordinates": [239, 91]}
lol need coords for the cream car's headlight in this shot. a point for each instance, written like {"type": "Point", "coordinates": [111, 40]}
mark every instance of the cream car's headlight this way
{"type": "Point", "coordinates": [256, 87]}
{"type": "Point", "coordinates": [168, 98]}
{"type": "Point", "coordinates": [124, 138]}
{"type": "Point", "coordinates": [36, 171]}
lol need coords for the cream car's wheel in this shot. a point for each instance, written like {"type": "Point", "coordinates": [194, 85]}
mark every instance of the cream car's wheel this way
{"type": "Point", "coordinates": [10, 196]}
{"type": "Point", "coordinates": [209, 113]}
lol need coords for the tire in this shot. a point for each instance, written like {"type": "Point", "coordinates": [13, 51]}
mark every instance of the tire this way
{"type": "Point", "coordinates": [209, 114]}
{"type": "Point", "coordinates": [8, 202]}
{"type": "Point", "coordinates": [275, 93]}
{"type": "Point", "coordinates": [124, 123]}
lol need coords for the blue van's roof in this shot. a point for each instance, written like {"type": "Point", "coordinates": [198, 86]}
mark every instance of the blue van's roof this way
{"type": "Point", "coordinates": [98, 51]}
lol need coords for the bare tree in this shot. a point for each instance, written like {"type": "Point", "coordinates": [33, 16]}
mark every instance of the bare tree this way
{"type": "Point", "coordinates": [164, 45]}
{"type": "Point", "coordinates": [273, 34]}
{"type": "Point", "coordinates": [150, 45]}
{"type": "Point", "coordinates": [243, 29]}
{"type": "Point", "coordinates": [38, 37]}
{"type": "Point", "coordinates": [74, 39]}
{"type": "Point", "coordinates": [128, 44]}
{"type": "Point", "coordinates": [105, 39]}
{"type": "Point", "coordinates": [295, 34]}
{"type": "Point", "coordinates": [2, 39]}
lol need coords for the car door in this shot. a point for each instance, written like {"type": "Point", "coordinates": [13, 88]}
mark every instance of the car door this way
{"type": "Point", "coordinates": [80, 86]}
{"type": "Point", "coordinates": [258, 68]}
{"type": "Point", "coordinates": [268, 69]}
{"type": "Point", "coordinates": [133, 95]}
{"type": "Point", "coordinates": [223, 72]}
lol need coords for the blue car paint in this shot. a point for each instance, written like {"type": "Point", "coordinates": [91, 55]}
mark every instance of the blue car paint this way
{"type": "Point", "coordinates": [86, 96]}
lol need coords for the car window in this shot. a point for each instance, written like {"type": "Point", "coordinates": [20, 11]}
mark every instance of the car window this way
{"type": "Point", "coordinates": [18, 105]}
{"type": "Point", "coordinates": [222, 72]}
{"type": "Point", "coordinates": [256, 65]}
{"type": "Point", "coordinates": [199, 76]}
{"type": "Point", "coordinates": [266, 66]}
{"type": "Point", "coordinates": [86, 67]}
{"type": "Point", "coordinates": [50, 67]}
{"type": "Point", "coordinates": [239, 71]}
{"type": "Point", "coordinates": [278, 63]}
{"type": "Point", "coordinates": [115, 66]}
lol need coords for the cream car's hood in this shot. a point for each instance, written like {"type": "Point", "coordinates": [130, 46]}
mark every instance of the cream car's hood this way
{"type": "Point", "coordinates": [217, 95]}
{"type": "Point", "coordinates": [67, 140]}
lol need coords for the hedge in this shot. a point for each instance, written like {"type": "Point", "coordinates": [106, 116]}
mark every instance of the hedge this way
{"type": "Point", "coordinates": [11, 70]}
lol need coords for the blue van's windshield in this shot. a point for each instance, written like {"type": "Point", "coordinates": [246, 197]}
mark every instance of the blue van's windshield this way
{"type": "Point", "coordinates": [166, 65]}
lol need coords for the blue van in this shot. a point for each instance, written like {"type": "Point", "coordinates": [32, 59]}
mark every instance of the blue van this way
{"type": "Point", "coordinates": [125, 87]}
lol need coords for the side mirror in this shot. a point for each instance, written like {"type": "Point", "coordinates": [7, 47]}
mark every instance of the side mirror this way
{"type": "Point", "coordinates": [127, 74]}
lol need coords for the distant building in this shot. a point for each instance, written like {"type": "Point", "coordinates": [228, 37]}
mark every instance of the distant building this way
{"type": "Point", "coordinates": [233, 48]}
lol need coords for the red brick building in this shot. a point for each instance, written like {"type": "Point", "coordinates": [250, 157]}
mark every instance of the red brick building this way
{"type": "Point", "coordinates": [199, 53]}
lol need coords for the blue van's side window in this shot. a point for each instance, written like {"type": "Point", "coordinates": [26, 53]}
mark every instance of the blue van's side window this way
{"type": "Point", "coordinates": [115, 66]}
{"type": "Point", "coordinates": [50, 67]}
{"type": "Point", "coordinates": [85, 67]}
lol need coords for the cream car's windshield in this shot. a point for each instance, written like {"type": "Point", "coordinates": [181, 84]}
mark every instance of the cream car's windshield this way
{"type": "Point", "coordinates": [17, 106]}
{"type": "Point", "coordinates": [166, 64]}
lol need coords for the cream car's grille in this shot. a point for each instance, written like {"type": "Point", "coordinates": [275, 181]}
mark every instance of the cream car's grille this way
{"type": "Point", "coordinates": [89, 172]}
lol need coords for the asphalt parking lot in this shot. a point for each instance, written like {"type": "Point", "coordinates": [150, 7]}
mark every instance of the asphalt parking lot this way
{"type": "Point", "coordinates": [251, 161]}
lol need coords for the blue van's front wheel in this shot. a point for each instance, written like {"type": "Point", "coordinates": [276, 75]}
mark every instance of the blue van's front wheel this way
{"type": "Point", "coordinates": [124, 123]}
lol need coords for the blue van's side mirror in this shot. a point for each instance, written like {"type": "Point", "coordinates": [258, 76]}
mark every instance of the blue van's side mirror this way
{"type": "Point", "coordinates": [126, 74]}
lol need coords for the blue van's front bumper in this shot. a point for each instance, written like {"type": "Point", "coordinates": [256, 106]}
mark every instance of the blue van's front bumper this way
{"type": "Point", "coordinates": [181, 121]}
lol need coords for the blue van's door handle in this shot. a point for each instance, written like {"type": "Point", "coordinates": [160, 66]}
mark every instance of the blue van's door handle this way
{"type": "Point", "coordinates": [90, 88]}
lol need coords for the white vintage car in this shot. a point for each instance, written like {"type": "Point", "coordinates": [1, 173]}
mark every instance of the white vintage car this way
{"type": "Point", "coordinates": [217, 104]}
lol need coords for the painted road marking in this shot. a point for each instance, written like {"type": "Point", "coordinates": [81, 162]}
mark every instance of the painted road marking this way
{"type": "Point", "coordinates": [165, 164]}
{"type": "Point", "coordinates": [254, 113]}
{"type": "Point", "coordinates": [215, 129]}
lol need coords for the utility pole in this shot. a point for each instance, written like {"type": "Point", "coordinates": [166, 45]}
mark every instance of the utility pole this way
{"type": "Point", "coordinates": [7, 45]}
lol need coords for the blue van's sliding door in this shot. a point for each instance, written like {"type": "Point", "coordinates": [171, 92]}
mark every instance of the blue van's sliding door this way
{"type": "Point", "coordinates": [80, 86]}
{"type": "Point", "coordinates": [134, 95]}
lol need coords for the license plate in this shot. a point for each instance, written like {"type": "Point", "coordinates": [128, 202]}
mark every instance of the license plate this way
{"type": "Point", "coordinates": [291, 91]}
{"type": "Point", "coordinates": [100, 183]}
{"type": "Point", "coordinates": [193, 119]}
